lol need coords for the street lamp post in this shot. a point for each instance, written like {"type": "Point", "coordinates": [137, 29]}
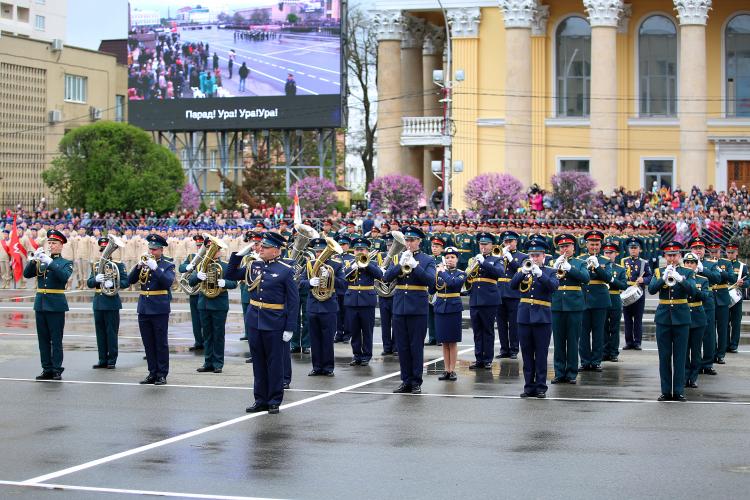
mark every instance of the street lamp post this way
{"type": "Point", "coordinates": [447, 112]}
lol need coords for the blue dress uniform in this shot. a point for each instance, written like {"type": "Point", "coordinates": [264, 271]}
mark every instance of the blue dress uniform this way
{"type": "Point", "coordinates": [697, 326]}
{"type": "Point", "coordinates": [213, 314]}
{"type": "Point", "coordinates": [618, 283]}
{"type": "Point", "coordinates": [50, 305]}
{"type": "Point", "coordinates": [535, 322]}
{"type": "Point", "coordinates": [245, 302]}
{"type": "Point", "coordinates": [195, 318]}
{"type": "Point", "coordinates": [507, 311]}
{"type": "Point", "coordinates": [735, 312]}
{"type": "Point", "coordinates": [153, 311]}
{"type": "Point", "coordinates": [568, 304]}
{"type": "Point", "coordinates": [633, 314]}
{"type": "Point", "coordinates": [484, 298]}
{"type": "Point", "coordinates": [359, 307]}
{"type": "Point", "coordinates": [672, 327]}
{"type": "Point", "coordinates": [448, 304]}
{"type": "Point", "coordinates": [410, 306]}
{"type": "Point", "coordinates": [347, 259]}
{"type": "Point", "coordinates": [274, 305]}
{"type": "Point", "coordinates": [385, 305]}
{"type": "Point", "coordinates": [323, 315]}
{"type": "Point", "coordinates": [596, 292]}
{"type": "Point", "coordinates": [435, 239]}
{"type": "Point", "coordinates": [107, 313]}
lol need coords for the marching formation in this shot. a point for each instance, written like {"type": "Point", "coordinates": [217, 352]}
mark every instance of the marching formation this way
{"type": "Point", "coordinates": [303, 290]}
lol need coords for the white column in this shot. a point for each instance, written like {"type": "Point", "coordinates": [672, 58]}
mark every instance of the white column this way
{"type": "Point", "coordinates": [432, 59]}
{"type": "Point", "coordinates": [412, 98]}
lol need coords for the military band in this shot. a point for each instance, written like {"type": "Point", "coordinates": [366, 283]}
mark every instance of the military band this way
{"type": "Point", "coordinates": [507, 311]}
{"type": "Point", "coordinates": [449, 282]}
{"type": "Point", "coordinates": [596, 292]}
{"type": "Point", "coordinates": [618, 283]}
{"type": "Point", "coordinates": [360, 300]}
{"type": "Point", "coordinates": [638, 273]}
{"type": "Point", "coordinates": [186, 269]}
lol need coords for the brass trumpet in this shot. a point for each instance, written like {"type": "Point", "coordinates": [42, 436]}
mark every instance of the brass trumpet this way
{"type": "Point", "coordinates": [527, 265]}
{"type": "Point", "coordinates": [361, 261]}
{"type": "Point", "coordinates": [143, 274]}
{"type": "Point", "coordinates": [497, 250]}
{"type": "Point", "coordinates": [560, 273]}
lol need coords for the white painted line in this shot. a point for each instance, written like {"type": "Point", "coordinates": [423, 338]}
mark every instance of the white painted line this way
{"type": "Point", "coordinates": [220, 425]}
{"type": "Point", "coordinates": [263, 55]}
{"type": "Point", "coordinates": [324, 80]}
{"type": "Point", "coordinates": [255, 70]}
{"type": "Point", "coordinates": [170, 494]}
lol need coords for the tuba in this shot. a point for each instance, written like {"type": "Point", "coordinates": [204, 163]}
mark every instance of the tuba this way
{"type": "Point", "coordinates": [304, 235]}
{"type": "Point", "coordinates": [108, 268]}
{"type": "Point", "coordinates": [325, 288]}
{"type": "Point", "coordinates": [209, 265]}
{"type": "Point", "coordinates": [383, 288]}
{"type": "Point", "coordinates": [184, 282]}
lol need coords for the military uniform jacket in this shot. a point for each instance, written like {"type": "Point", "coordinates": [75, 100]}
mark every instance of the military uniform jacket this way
{"type": "Point", "coordinates": [695, 301]}
{"type": "Point", "coordinates": [709, 303]}
{"type": "Point", "coordinates": [331, 305]}
{"type": "Point", "coordinates": [633, 268]}
{"type": "Point", "coordinates": [736, 267]}
{"type": "Point", "coordinates": [535, 306]}
{"type": "Point", "coordinates": [618, 283]}
{"type": "Point", "coordinates": [221, 301]}
{"type": "Point", "coordinates": [506, 292]}
{"type": "Point", "coordinates": [449, 299]}
{"type": "Point", "coordinates": [569, 295]}
{"type": "Point", "coordinates": [411, 295]}
{"type": "Point", "coordinates": [726, 278]}
{"type": "Point", "coordinates": [52, 276]}
{"type": "Point", "coordinates": [244, 293]}
{"type": "Point", "coordinates": [361, 292]}
{"type": "Point", "coordinates": [188, 260]}
{"type": "Point", "coordinates": [346, 260]}
{"type": "Point", "coordinates": [274, 304]}
{"type": "Point", "coordinates": [673, 308]}
{"type": "Point", "coordinates": [596, 290]}
{"type": "Point", "coordinates": [160, 279]}
{"type": "Point", "coordinates": [466, 246]}
{"type": "Point", "coordinates": [105, 302]}
{"type": "Point", "coordinates": [484, 290]}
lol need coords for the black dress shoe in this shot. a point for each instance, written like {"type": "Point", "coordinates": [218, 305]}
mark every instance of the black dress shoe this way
{"type": "Point", "coordinates": [244, 337]}
{"type": "Point", "coordinates": [541, 395]}
{"type": "Point", "coordinates": [286, 385]}
{"type": "Point", "coordinates": [628, 347]}
{"type": "Point", "coordinates": [596, 368]}
{"type": "Point", "coordinates": [476, 366]}
{"type": "Point", "coordinates": [99, 365]}
{"type": "Point", "coordinates": [295, 350]}
{"type": "Point", "coordinates": [584, 368]}
{"type": "Point", "coordinates": [452, 376]}
{"type": "Point", "coordinates": [256, 408]}
{"type": "Point", "coordinates": [160, 381]}
{"type": "Point", "coordinates": [327, 374]}
{"type": "Point", "coordinates": [402, 389]}
{"type": "Point", "coordinates": [56, 376]}
{"type": "Point", "coordinates": [733, 351]}
{"type": "Point", "coordinates": [614, 359]}
{"type": "Point", "coordinates": [194, 348]}
{"type": "Point", "coordinates": [720, 361]}
{"type": "Point", "coordinates": [488, 366]}
{"type": "Point", "coordinates": [217, 370]}
{"type": "Point", "coordinates": [249, 360]}
{"type": "Point", "coordinates": [431, 342]}
{"type": "Point", "coordinates": [386, 353]}
{"type": "Point", "coordinates": [444, 376]}
{"type": "Point", "coordinates": [355, 362]}
{"type": "Point", "coordinates": [710, 371]}
{"type": "Point", "coordinates": [664, 397]}
{"type": "Point", "coordinates": [637, 347]}
{"type": "Point", "coordinates": [364, 363]}
{"type": "Point", "coordinates": [111, 367]}
{"type": "Point", "coordinates": [204, 369]}
{"type": "Point", "coordinates": [273, 409]}
{"type": "Point", "coordinates": [692, 385]}
{"type": "Point", "coordinates": [572, 381]}
{"type": "Point", "coordinates": [305, 350]}
{"type": "Point", "coordinates": [148, 380]}
{"type": "Point", "coordinates": [417, 389]}
{"type": "Point", "coordinates": [679, 398]}
{"type": "Point", "coordinates": [514, 356]}
{"type": "Point", "coordinates": [525, 395]}
{"type": "Point", "coordinates": [558, 380]}
{"type": "Point", "coordinates": [314, 373]}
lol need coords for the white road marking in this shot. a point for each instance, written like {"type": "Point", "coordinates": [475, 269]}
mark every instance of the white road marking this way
{"type": "Point", "coordinates": [255, 70]}
{"type": "Point", "coordinates": [259, 54]}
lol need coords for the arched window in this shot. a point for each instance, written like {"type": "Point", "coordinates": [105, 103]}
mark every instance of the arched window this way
{"type": "Point", "coordinates": [573, 41]}
{"type": "Point", "coordinates": [657, 66]}
{"type": "Point", "coordinates": [738, 66]}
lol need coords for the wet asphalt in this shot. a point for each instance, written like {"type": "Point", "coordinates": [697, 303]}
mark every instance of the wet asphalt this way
{"type": "Point", "coordinates": [349, 436]}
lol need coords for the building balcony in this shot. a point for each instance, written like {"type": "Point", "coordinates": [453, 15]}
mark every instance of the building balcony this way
{"type": "Point", "coordinates": [423, 131]}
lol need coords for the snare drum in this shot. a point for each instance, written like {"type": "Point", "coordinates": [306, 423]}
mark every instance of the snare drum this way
{"type": "Point", "coordinates": [631, 295]}
{"type": "Point", "coordinates": [735, 295]}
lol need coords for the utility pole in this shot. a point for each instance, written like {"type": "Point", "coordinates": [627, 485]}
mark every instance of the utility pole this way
{"type": "Point", "coordinates": [447, 115]}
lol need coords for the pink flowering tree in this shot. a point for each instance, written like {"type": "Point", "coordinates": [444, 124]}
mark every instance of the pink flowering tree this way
{"type": "Point", "coordinates": [397, 193]}
{"type": "Point", "coordinates": [493, 194]}
{"type": "Point", "coordinates": [317, 196]}
{"type": "Point", "coordinates": [572, 189]}
{"type": "Point", "coordinates": [190, 197]}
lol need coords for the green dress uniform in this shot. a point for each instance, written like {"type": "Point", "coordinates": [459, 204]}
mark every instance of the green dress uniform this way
{"type": "Point", "coordinates": [697, 329]}
{"type": "Point", "coordinates": [107, 316]}
{"type": "Point", "coordinates": [721, 294]}
{"type": "Point", "coordinates": [596, 292]}
{"type": "Point", "coordinates": [467, 248]}
{"type": "Point", "coordinates": [195, 318]}
{"type": "Point", "coordinates": [618, 283]}
{"type": "Point", "coordinates": [735, 312]}
{"type": "Point", "coordinates": [672, 330]}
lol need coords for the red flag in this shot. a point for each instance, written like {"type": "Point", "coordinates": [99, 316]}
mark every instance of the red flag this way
{"type": "Point", "coordinates": [15, 253]}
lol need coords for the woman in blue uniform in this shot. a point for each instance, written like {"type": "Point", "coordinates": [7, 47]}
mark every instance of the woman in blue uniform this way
{"type": "Point", "coordinates": [448, 308]}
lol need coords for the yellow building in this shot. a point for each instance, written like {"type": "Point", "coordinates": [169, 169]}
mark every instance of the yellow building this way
{"type": "Point", "coordinates": [633, 93]}
{"type": "Point", "coordinates": [47, 89]}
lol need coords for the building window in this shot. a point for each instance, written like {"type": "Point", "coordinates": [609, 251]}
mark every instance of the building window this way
{"type": "Point", "coordinates": [119, 108]}
{"type": "Point", "coordinates": [573, 68]}
{"type": "Point", "coordinates": [657, 67]}
{"type": "Point", "coordinates": [659, 171]}
{"type": "Point", "coordinates": [6, 11]}
{"type": "Point", "coordinates": [22, 14]}
{"type": "Point", "coordinates": [75, 88]}
{"type": "Point", "coordinates": [738, 66]}
{"type": "Point", "coordinates": [574, 165]}
{"type": "Point", "coordinates": [39, 22]}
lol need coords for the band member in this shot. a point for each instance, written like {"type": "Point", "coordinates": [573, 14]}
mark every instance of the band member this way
{"type": "Point", "coordinates": [448, 306]}
{"type": "Point", "coordinates": [735, 312]}
{"type": "Point", "coordinates": [484, 297]}
{"type": "Point", "coordinates": [187, 268]}
{"type": "Point", "coordinates": [270, 319]}
{"type": "Point", "coordinates": [414, 273]}
{"type": "Point", "coordinates": [342, 334]}
{"type": "Point", "coordinates": [154, 274]}
{"type": "Point", "coordinates": [255, 238]}
{"type": "Point", "coordinates": [567, 309]}
{"type": "Point", "coordinates": [507, 311]}
{"type": "Point", "coordinates": [107, 305]}
{"type": "Point", "coordinates": [385, 305]}
{"type": "Point", "coordinates": [723, 301]}
{"type": "Point", "coordinates": [591, 343]}
{"type": "Point", "coordinates": [617, 284]}
{"type": "Point", "coordinates": [322, 314]}
{"type": "Point", "coordinates": [674, 284]}
{"type": "Point", "coordinates": [697, 322]}
{"type": "Point", "coordinates": [52, 273]}
{"type": "Point", "coordinates": [5, 269]}
{"type": "Point", "coordinates": [536, 286]}
{"type": "Point", "coordinates": [707, 268]}
{"type": "Point", "coordinates": [213, 307]}
{"type": "Point", "coordinates": [437, 244]}
{"type": "Point", "coordinates": [638, 272]}
{"type": "Point", "coordinates": [359, 303]}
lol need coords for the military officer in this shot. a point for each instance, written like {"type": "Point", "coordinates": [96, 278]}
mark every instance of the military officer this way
{"type": "Point", "coordinates": [155, 275]}
{"type": "Point", "coordinates": [385, 305]}
{"type": "Point", "coordinates": [591, 343]}
{"type": "Point", "coordinates": [507, 311]}
{"type": "Point", "coordinates": [414, 273]}
{"type": "Point", "coordinates": [638, 272]}
{"type": "Point", "coordinates": [536, 286]}
{"type": "Point", "coordinates": [723, 301]}
{"type": "Point", "coordinates": [270, 319]}
{"type": "Point", "coordinates": [346, 259]}
{"type": "Point", "coordinates": [52, 272]}
{"type": "Point", "coordinates": [697, 322]}
{"type": "Point", "coordinates": [707, 268]}
{"type": "Point", "coordinates": [672, 321]}
{"type": "Point", "coordinates": [437, 245]}
{"type": "Point", "coordinates": [360, 300]}
{"type": "Point", "coordinates": [568, 304]}
{"type": "Point", "coordinates": [187, 268]}
{"type": "Point", "coordinates": [466, 245]}
{"type": "Point", "coordinates": [376, 241]}
{"type": "Point", "coordinates": [107, 305]}
{"type": "Point", "coordinates": [735, 312]}
{"type": "Point", "coordinates": [449, 281]}
{"type": "Point", "coordinates": [617, 284]}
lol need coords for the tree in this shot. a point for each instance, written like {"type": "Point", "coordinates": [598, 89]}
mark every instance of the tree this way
{"type": "Point", "coordinates": [317, 196]}
{"type": "Point", "coordinates": [292, 18]}
{"type": "Point", "coordinates": [361, 49]}
{"type": "Point", "coordinates": [397, 193]}
{"type": "Point", "coordinates": [570, 189]}
{"type": "Point", "coordinates": [190, 197]}
{"type": "Point", "coordinates": [237, 19]}
{"type": "Point", "coordinates": [493, 194]}
{"type": "Point", "coordinates": [109, 166]}
{"type": "Point", "coordinates": [259, 182]}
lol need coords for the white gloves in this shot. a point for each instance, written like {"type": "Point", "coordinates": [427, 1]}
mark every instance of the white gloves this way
{"type": "Point", "coordinates": [558, 262]}
{"type": "Point", "coordinates": [189, 267]}
{"type": "Point", "coordinates": [108, 284]}
{"type": "Point", "coordinates": [536, 271]}
{"type": "Point", "coordinates": [677, 277]}
{"type": "Point", "coordinates": [45, 259]}
{"type": "Point", "coordinates": [565, 266]}
{"type": "Point", "coordinates": [593, 261]}
{"type": "Point", "coordinates": [99, 278]}
{"type": "Point", "coordinates": [700, 267]}
{"type": "Point", "coordinates": [525, 270]}
{"type": "Point", "coordinates": [412, 262]}
{"type": "Point", "coordinates": [507, 254]}
{"type": "Point", "coordinates": [201, 275]}
{"type": "Point", "coordinates": [221, 283]}
{"type": "Point", "coordinates": [244, 251]}
{"type": "Point", "coordinates": [406, 256]}
{"type": "Point", "coordinates": [315, 281]}
{"type": "Point", "coordinates": [324, 273]}
{"type": "Point", "coordinates": [286, 336]}
{"type": "Point", "coordinates": [480, 258]}
{"type": "Point", "coordinates": [151, 263]}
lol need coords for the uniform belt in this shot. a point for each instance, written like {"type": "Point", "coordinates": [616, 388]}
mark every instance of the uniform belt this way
{"type": "Point", "coordinates": [154, 292]}
{"type": "Point", "coordinates": [448, 295]}
{"type": "Point", "coordinates": [266, 305]}
{"type": "Point", "coordinates": [597, 282]}
{"type": "Point", "coordinates": [464, 250]}
{"type": "Point", "coordinates": [486, 280]}
{"type": "Point", "coordinates": [361, 287]}
{"type": "Point", "coordinates": [671, 302]}
{"type": "Point", "coordinates": [50, 290]}
{"type": "Point", "coordinates": [536, 302]}
{"type": "Point", "coordinates": [695, 304]}
{"type": "Point", "coordinates": [615, 292]}
{"type": "Point", "coordinates": [503, 280]}
{"type": "Point", "coordinates": [569, 288]}
{"type": "Point", "coordinates": [412, 287]}
{"type": "Point", "coordinates": [719, 287]}
{"type": "Point", "coordinates": [631, 283]}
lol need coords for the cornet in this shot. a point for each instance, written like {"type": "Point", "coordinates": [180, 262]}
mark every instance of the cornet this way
{"type": "Point", "coordinates": [592, 263]}
{"type": "Point", "coordinates": [558, 265]}
{"type": "Point", "coordinates": [527, 266]}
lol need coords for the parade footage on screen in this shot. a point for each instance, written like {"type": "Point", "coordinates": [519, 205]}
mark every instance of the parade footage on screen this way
{"type": "Point", "coordinates": [234, 64]}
